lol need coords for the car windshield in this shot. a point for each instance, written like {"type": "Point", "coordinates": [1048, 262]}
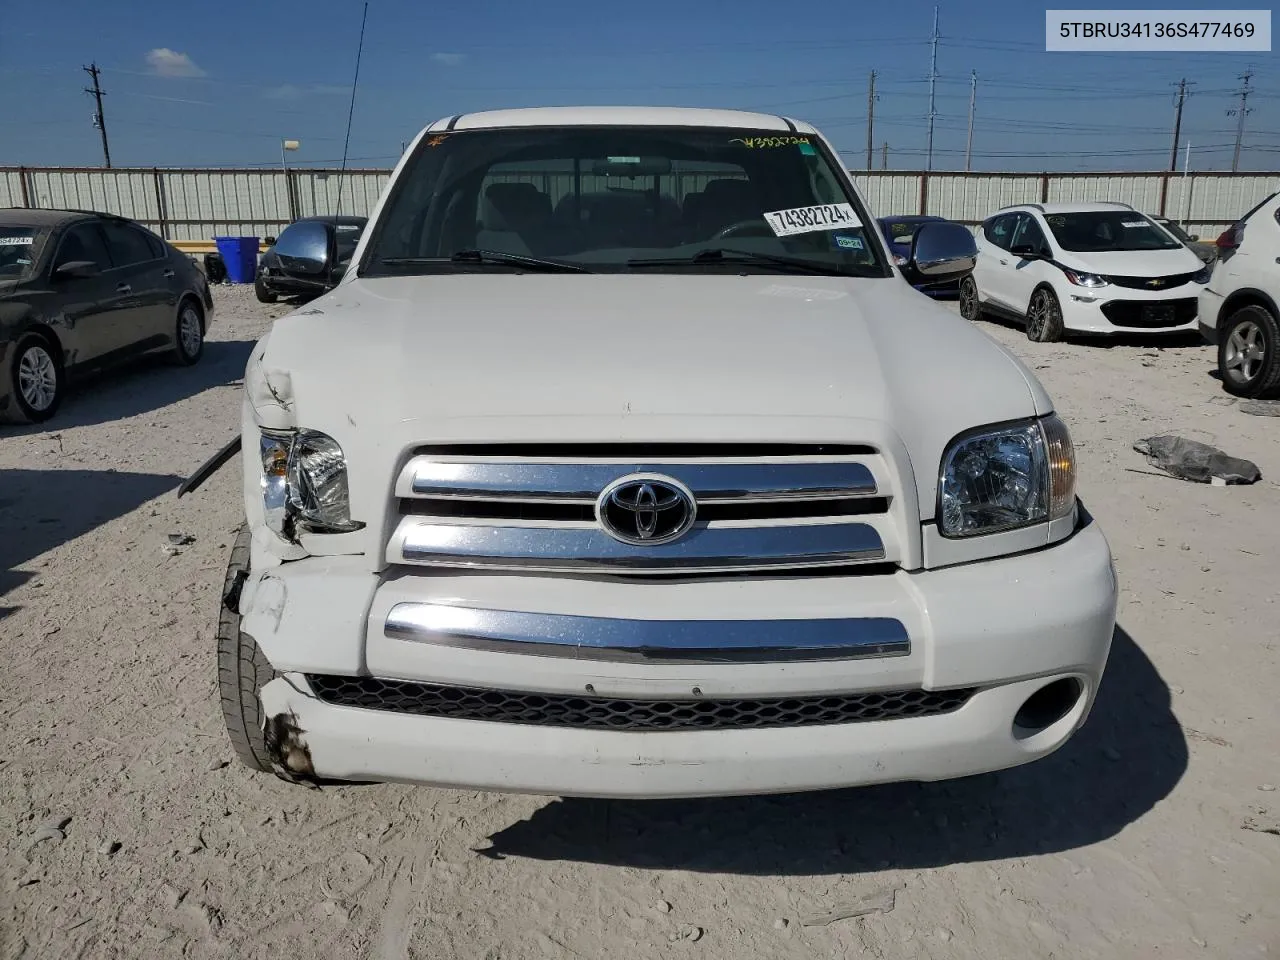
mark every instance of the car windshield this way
{"type": "Point", "coordinates": [627, 198]}
{"type": "Point", "coordinates": [18, 250]}
{"type": "Point", "coordinates": [1108, 230]}
{"type": "Point", "coordinates": [1176, 230]}
{"type": "Point", "coordinates": [901, 231]}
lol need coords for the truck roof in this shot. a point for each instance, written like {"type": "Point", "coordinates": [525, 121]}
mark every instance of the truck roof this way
{"type": "Point", "coordinates": [618, 116]}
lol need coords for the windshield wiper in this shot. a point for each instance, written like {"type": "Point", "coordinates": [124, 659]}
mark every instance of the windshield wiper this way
{"type": "Point", "coordinates": [726, 255]}
{"type": "Point", "coordinates": [490, 256]}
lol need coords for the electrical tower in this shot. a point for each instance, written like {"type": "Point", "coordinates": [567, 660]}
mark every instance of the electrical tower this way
{"type": "Point", "coordinates": [1240, 113]}
{"type": "Point", "coordinates": [1177, 121]}
{"type": "Point", "coordinates": [99, 118]}
{"type": "Point", "coordinates": [933, 80]}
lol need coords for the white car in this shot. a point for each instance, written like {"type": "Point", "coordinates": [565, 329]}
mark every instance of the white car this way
{"type": "Point", "coordinates": [1095, 268]}
{"type": "Point", "coordinates": [603, 472]}
{"type": "Point", "coordinates": [1240, 308]}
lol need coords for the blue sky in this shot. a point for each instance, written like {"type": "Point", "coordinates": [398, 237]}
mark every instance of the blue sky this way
{"type": "Point", "coordinates": [219, 84]}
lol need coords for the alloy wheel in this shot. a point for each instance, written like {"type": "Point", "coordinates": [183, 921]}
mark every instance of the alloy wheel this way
{"type": "Point", "coordinates": [37, 378]}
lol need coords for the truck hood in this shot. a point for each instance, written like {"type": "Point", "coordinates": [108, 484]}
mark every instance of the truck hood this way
{"type": "Point", "coordinates": [386, 364]}
{"type": "Point", "coordinates": [1134, 263]}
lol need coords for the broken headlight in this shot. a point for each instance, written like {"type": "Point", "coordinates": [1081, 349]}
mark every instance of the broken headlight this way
{"type": "Point", "coordinates": [1003, 478]}
{"type": "Point", "coordinates": [304, 484]}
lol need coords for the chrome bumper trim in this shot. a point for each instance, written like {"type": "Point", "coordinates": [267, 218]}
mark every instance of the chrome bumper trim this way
{"type": "Point", "coordinates": [582, 482]}
{"type": "Point", "coordinates": [588, 549]}
{"type": "Point", "coordinates": [648, 641]}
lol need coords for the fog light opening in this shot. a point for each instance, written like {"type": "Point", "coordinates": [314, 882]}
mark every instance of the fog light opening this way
{"type": "Point", "coordinates": [1046, 707]}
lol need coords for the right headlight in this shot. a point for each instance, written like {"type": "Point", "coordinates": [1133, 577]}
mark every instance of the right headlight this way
{"type": "Point", "coordinates": [1003, 478]}
{"type": "Point", "coordinates": [304, 484]}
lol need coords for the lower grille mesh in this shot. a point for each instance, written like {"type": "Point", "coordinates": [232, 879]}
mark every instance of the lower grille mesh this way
{"type": "Point", "coordinates": [558, 710]}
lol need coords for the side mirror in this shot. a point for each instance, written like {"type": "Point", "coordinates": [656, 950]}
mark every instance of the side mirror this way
{"type": "Point", "coordinates": [1026, 251]}
{"type": "Point", "coordinates": [306, 249]}
{"type": "Point", "coordinates": [269, 241]}
{"type": "Point", "coordinates": [76, 270]}
{"type": "Point", "coordinates": [941, 251]}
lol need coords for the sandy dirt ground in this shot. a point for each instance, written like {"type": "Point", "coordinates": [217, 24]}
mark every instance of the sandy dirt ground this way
{"type": "Point", "coordinates": [128, 831]}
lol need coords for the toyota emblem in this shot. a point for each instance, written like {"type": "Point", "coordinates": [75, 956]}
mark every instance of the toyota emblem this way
{"type": "Point", "coordinates": [646, 510]}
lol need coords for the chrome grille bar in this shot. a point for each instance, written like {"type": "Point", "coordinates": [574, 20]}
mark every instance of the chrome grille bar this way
{"type": "Point", "coordinates": [649, 641]}
{"type": "Point", "coordinates": [589, 549]}
{"type": "Point", "coordinates": [582, 482]}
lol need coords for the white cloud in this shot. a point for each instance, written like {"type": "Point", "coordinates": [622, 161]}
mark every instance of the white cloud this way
{"type": "Point", "coordinates": [287, 91]}
{"type": "Point", "coordinates": [448, 59]}
{"type": "Point", "coordinates": [169, 63]}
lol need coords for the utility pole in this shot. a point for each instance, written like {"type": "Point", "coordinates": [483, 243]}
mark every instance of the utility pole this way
{"type": "Point", "coordinates": [933, 80]}
{"type": "Point", "coordinates": [884, 156]}
{"type": "Point", "coordinates": [973, 96]}
{"type": "Point", "coordinates": [871, 117]}
{"type": "Point", "coordinates": [99, 120]}
{"type": "Point", "coordinates": [1177, 123]}
{"type": "Point", "coordinates": [1241, 111]}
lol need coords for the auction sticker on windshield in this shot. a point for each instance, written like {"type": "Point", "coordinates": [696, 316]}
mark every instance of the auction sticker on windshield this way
{"type": "Point", "coordinates": [825, 216]}
{"type": "Point", "coordinates": [17, 241]}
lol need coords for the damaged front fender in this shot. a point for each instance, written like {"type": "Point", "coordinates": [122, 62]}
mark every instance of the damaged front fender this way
{"type": "Point", "coordinates": [287, 749]}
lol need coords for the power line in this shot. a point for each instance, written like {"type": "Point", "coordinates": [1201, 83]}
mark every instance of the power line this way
{"type": "Point", "coordinates": [99, 119]}
{"type": "Point", "coordinates": [346, 144]}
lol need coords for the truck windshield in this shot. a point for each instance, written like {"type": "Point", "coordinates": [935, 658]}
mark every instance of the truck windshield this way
{"type": "Point", "coordinates": [1108, 230]}
{"type": "Point", "coordinates": [630, 198]}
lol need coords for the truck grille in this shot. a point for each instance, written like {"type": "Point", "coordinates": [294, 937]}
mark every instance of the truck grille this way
{"type": "Point", "coordinates": [607, 713]}
{"type": "Point", "coordinates": [750, 507]}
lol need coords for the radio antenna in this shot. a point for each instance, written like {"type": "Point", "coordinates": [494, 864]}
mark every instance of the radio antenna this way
{"type": "Point", "coordinates": [346, 144]}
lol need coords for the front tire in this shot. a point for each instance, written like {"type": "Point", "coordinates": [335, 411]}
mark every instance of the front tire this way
{"type": "Point", "coordinates": [970, 307]}
{"type": "Point", "coordinates": [35, 381]}
{"type": "Point", "coordinates": [188, 335]}
{"type": "Point", "coordinates": [1044, 317]}
{"type": "Point", "coordinates": [242, 669]}
{"type": "Point", "coordinates": [1249, 354]}
{"type": "Point", "coordinates": [262, 292]}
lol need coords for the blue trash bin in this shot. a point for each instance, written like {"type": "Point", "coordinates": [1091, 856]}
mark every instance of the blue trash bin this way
{"type": "Point", "coordinates": [240, 255]}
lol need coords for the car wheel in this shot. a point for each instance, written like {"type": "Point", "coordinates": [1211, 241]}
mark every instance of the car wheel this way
{"type": "Point", "coordinates": [970, 308]}
{"type": "Point", "coordinates": [262, 292]}
{"type": "Point", "coordinates": [1249, 354]}
{"type": "Point", "coordinates": [35, 381]}
{"type": "Point", "coordinates": [1044, 317]}
{"type": "Point", "coordinates": [188, 334]}
{"type": "Point", "coordinates": [242, 668]}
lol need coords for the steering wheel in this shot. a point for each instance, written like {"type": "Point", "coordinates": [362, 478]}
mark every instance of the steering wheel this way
{"type": "Point", "coordinates": [747, 228]}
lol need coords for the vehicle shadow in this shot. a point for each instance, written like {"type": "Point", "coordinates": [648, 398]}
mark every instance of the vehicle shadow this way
{"type": "Point", "coordinates": [42, 509]}
{"type": "Point", "coordinates": [1128, 756]}
{"type": "Point", "coordinates": [141, 386]}
{"type": "Point", "coordinates": [1185, 339]}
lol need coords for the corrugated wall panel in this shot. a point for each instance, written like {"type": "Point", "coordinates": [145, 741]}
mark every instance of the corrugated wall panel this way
{"type": "Point", "coordinates": [202, 204]}
{"type": "Point", "coordinates": [972, 199]}
{"type": "Point", "coordinates": [129, 193]}
{"type": "Point", "coordinates": [11, 188]}
{"type": "Point", "coordinates": [1141, 192]}
{"type": "Point", "coordinates": [318, 191]}
{"type": "Point", "coordinates": [890, 194]}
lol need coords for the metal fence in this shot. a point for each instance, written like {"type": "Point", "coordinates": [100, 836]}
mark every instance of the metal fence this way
{"type": "Point", "coordinates": [195, 204]}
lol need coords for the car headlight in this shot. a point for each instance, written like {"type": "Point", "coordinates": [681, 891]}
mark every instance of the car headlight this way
{"type": "Point", "coordinates": [304, 484]}
{"type": "Point", "coordinates": [1204, 274]}
{"type": "Point", "coordinates": [1086, 279]}
{"type": "Point", "coordinates": [1003, 478]}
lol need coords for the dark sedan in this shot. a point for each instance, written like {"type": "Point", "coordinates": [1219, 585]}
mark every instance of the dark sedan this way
{"type": "Point", "coordinates": [898, 234]}
{"type": "Point", "coordinates": [271, 282]}
{"type": "Point", "coordinates": [80, 291]}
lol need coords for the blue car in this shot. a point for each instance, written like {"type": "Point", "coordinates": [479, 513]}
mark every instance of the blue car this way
{"type": "Point", "coordinates": [898, 233]}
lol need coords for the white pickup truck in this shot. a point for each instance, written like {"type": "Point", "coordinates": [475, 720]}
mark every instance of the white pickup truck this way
{"type": "Point", "coordinates": [623, 461]}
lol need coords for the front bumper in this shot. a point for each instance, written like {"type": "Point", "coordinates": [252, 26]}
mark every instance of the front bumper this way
{"type": "Point", "coordinates": [1008, 626]}
{"type": "Point", "coordinates": [1083, 310]}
